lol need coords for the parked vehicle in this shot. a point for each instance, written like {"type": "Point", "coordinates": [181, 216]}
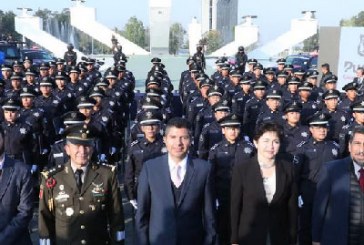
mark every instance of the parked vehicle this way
{"type": "Point", "coordinates": [302, 61]}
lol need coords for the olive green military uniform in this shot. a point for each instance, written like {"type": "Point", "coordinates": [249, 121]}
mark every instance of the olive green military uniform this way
{"type": "Point", "coordinates": [93, 215]}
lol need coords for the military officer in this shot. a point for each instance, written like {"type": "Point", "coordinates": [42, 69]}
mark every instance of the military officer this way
{"type": "Point", "coordinates": [57, 154]}
{"type": "Point", "coordinates": [80, 201]}
{"type": "Point", "coordinates": [222, 157]}
{"type": "Point", "coordinates": [311, 155]}
{"type": "Point", "coordinates": [141, 150]}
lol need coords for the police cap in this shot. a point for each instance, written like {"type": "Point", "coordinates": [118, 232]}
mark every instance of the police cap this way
{"type": "Point", "coordinates": [231, 120]}
{"type": "Point", "coordinates": [85, 102]}
{"type": "Point", "coordinates": [215, 90]}
{"type": "Point", "coordinates": [27, 92]}
{"type": "Point", "coordinates": [11, 105]}
{"type": "Point", "coordinates": [259, 85]}
{"type": "Point", "coordinates": [319, 119]}
{"type": "Point", "coordinates": [29, 72]}
{"type": "Point", "coordinates": [154, 92]}
{"type": "Point", "coordinates": [281, 61]}
{"type": "Point", "coordinates": [350, 86]}
{"type": "Point", "coordinates": [150, 117]}
{"type": "Point", "coordinates": [222, 105]}
{"type": "Point", "coordinates": [97, 92]}
{"type": "Point", "coordinates": [330, 79]}
{"type": "Point", "coordinates": [357, 106]}
{"type": "Point", "coordinates": [246, 79]}
{"type": "Point", "coordinates": [258, 66]}
{"type": "Point", "coordinates": [156, 60]}
{"type": "Point", "coordinates": [274, 94]}
{"type": "Point", "coordinates": [294, 80]}
{"type": "Point", "coordinates": [306, 86]}
{"type": "Point", "coordinates": [293, 106]}
{"type": "Point", "coordinates": [150, 103]}
{"type": "Point", "coordinates": [330, 94]}
{"type": "Point", "coordinates": [252, 61]}
{"type": "Point", "coordinates": [46, 81]}
{"type": "Point", "coordinates": [60, 75]}
{"type": "Point", "coordinates": [16, 76]}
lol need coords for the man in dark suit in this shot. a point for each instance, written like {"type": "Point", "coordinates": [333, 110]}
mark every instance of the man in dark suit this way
{"type": "Point", "coordinates": [175, 201]}
{"type": "Point", "coordinates": [80, 201]}
{"type": "Point", "coordinates": [338, 211]}
{"type": "Point", "coordinates": [16, 199]}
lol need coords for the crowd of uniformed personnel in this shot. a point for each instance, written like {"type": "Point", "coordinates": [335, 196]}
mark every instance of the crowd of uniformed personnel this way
{"type": "Point", "coordinates": [40, 103]}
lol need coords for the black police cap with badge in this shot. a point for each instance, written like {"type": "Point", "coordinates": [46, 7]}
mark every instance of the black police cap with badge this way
{"type": "Point", "coordinates": [306, 86]}
{"type": "Point", "coordinates": [27, 92]}
{"type": "Point", "coordinates": [30, 72]}
{"type": "Point", "coordinates": [73, 118]}
{"type": "Point", "coordinates": [85, 102]}
{"type": "Point", "coordinates": [259, 85]}
{"type": "Point", "coordinates": [319, 119]}
{"type": "Point", "coordinates": [358, 107]}
{"type": "Point", "coordinates": [288, 68]}
{"type": "Point", "coordinates": [97, 92]}
{"type": "Point", "coordinates": [27, 59]}
{"type": "Point", "coordinates": [44, 66]}
{"type": "Point", "coordinates": [156, 60]}
{"type": "Point", "coordinates": [153, 80]}
{"type": "Point", "coordinates": [299, 72]}
{"type": "Point", "coordinates": [252, 61]}
{"type": "Point", "coordinates": [150, 117]}
{"type": "Point", "coordinates": [46, 81]}
{"type": "Point", "coordinates": [60, 75]}
{"type": "Point", "coordinates": [11, 105]}
{"type": "Point", "coordinates": [312, 74]}
{"type": "Point", "coordinates": [80, 135]}
{"type": "Point", "coordinates": [235, 73]}
{"type": "Point", "coordinates": [294, 80]}
{"type": "Point", "coordinates": [215, 91]}
{"type": "Point", "coordinates": [60, 61]}
{"type": "Point", "coordinates": [246, 79]}
{"type": "Point", "coordinates": [274, 94]}
{"type": "Point", "coordinates": [16, 76]}
{"type": "Point", "coordinates": [350, 86]}
{"type": "Point", "coordinates": [205, 82]}
{"type": "Point", "coordinates": [222, 105]}
{"type": "Point", "coordinates": [5, 67]}
{"type": "Point", "coordinates": [282, 74]}
{"type": "Point", "coordinates": [330, 94]}
{"type": "Point", "coordinates": [269, 70]}
{"type": "Point", "coordinates": [231, 120]}
{"type": "Point", "coordinates": [150, 103]}
{"type": "Point", "coordinates": [330, 79]}
{"type": "Point", "coordinates": [17, 63]}
{"type": "Point", "coordinates": [293, 106]}
{"type": "Point", "coordinates": [225, 66]}
{"type": "Point", "coordinates": [153, 92]}
{"type": "Point", "coordinates": [110, 75]}
{"type": "Point", "coordinates": [74, 69]}
{"type": "Point", "coordinates": [258, 66]}
{"type": "Point", "coordinates": [281, 61]}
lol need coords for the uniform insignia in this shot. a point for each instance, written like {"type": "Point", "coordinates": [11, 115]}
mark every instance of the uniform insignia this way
{"type": "Point", "coordinates": [69, 211]}
{"type": "Point", "coordinates": [62, 197]}
{"type": "Point", "coordinates": [334, 152]}
{"type": "Point", "coordinates": [69, 95]}
{"type": "Point", "coordinates": [248, 150]}
{"type": "Point", "coordinates": [111, 103]}
{"type": "Point", "coordinates": [23, 130]}
{"type": "Point", "coordinates": [104, 119]}
{"type": "Point", "coordinates": [343, 118]}
{"type": "Point", "coordinates": [134, 143]}
{"type": "Point", "coordinates": [164, 150]}
{"type": "Point", "coordinates": [55, 102]}
{"type": "Point", "coordinates": [36, 114]}
{"type": "Point", "coordinates": [304, 134]}
{"type": "Point", "coordinates": [117, 93]}
{"type": "Point", "coordinates": [313, 106]}
{"type": "Point", "coordinates": [98, 189]}
{"type": "Point", "coordinates": [80, 89]}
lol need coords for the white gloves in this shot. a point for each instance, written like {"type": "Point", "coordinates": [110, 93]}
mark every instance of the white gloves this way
{"type": "Point", "coordinates": [134, 203]}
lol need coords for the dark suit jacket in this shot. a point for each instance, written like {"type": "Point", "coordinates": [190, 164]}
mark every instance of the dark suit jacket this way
{"type": "Point", "coordinates": [16, 203]}
{"type": "Point", "coordinates": [252, 218]}
{"type": "Point", "coordinates": [331, 205]}
{"type": "Point", "coordinates": [159, 221]}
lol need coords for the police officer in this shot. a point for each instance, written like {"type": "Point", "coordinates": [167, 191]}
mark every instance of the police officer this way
{"type": "Point", "coordinates": [292, 90]}
{"type": "Point", "coordinates": [240, 59]}
{"type": "Point", "coordinates": [317, 91]}
{"type": "Point", "coordinates": [294, 132]}
{"type": "Point", "coordinates": [280, 65]}
{"type": "Point", "coordinates": [309, 106]}
{"type": "Point", "coordinates": [70, 56]}
{"type": "Point", "coordinates": [272, 112]}
{"type": "Point", "coordinates": [351, 96]}
{"type": "Point", "coordinates": [199, 57]}
{"type": "Point", "coordinates": [339, 118]}
{"type": "Point", "coordinates": [222, 157]}
{"type": "Point", "coordinates": [358, 116]}
{"type": "Point", "coordinates": [311, 155]}
{"type": "Point", "coordinates": [253, 107]}
{"type": "Point", "coordinates": [18, 136]}
{"type": "Point", "coordinates": [80, 201]}
{"type": "Point", "coordinates": [211, 132]}
{"type": "Point", "coordinates": [143, 149]}
{"type": "Point", "coordinates": [239, 99]}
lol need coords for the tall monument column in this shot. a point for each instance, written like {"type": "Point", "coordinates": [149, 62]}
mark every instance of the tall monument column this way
{"type": "Point", "coordinates": [159, 19]}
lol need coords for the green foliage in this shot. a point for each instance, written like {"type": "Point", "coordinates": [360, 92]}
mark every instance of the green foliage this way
{"type": "Point", "coordinates": [134, 31]}
{"type": "Point", "coordinates": [311, 43]}
{"type": "Point", "coordinates": [7, 24]}
{"type": "Point", "coordinates": [357, 20]}
{"type": "Point", "coordinates": [176, 34]}
{"type": "Point", "coordinates": [212, 41]}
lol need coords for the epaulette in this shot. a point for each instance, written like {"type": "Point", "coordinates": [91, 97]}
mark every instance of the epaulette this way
{"type": "Point", "coordinates": [58, 141]}
{"type": "Point", "coordinates": [112, 167]}
{"type": "Point", "coordinates": [52, 171]}
{"type": "Point", "coordinates": [214, 147]}
{"type": "Point", "coordinates": [206, 125]}
{"type": "Point", "coordinates": [301, 144]}
{"type": "Point", "coordinates": [336, 144]}
{"type": "Point", "coordinates": [134, 143]}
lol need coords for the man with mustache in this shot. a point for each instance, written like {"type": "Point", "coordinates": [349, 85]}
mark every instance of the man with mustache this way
{"type": "Point", "coordinates": [338, 210]}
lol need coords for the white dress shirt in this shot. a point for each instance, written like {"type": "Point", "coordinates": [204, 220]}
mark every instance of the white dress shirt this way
{"type": "Point", "coordinates": [84, 168]}
{"type": "Point", "coordinates": [173, 165]}
{"type": "Point", "coordinates": [357, 167]}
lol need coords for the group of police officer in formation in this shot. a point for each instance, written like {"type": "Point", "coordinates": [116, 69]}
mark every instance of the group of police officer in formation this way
{"type": "Point", "coordinates": [40, 103]}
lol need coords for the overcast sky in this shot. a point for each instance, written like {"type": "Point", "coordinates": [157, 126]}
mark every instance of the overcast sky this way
{"type": "Point", "coordinates": [273, 16]}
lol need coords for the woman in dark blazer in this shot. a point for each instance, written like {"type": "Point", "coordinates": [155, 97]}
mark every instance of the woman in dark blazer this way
{"type": "Point", "coordinates": [264, 194]}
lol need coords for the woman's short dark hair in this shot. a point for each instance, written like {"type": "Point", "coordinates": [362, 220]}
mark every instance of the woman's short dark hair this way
{"type": "Point", "coordinates": [178, 122]}
{"type": "Point", "coordinates": [268, 127]}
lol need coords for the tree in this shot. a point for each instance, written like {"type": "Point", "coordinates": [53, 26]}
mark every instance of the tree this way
{"type": "Point", "coordinates": [7, 24]}
{"type": "Point", "coordinates": [311, 43]}
{"type": "Point", "coordinates": [357, 20]}
{"type": "Point", "coordinates": [134, 31]}
{"type": "Point", "coordinates": [212, 41]}
{"type": "Point", "coordinates": [176, 34]}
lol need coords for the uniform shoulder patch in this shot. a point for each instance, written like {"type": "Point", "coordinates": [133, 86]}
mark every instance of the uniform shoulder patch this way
{"type": "Point", "coordinates": [51, 172]}
{"type": "Point", "coordinates": [214, 147]}
{"type": "Point", "coordinates": [336, 144]}
{"type": "Point", "coordinates": [111, 167]}
{"type": "Point", "coordinates": [301, 144]}
{"type": "Point", "coordinates": [134, 143]}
